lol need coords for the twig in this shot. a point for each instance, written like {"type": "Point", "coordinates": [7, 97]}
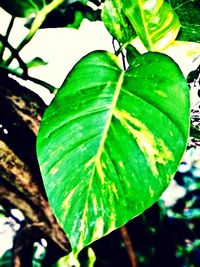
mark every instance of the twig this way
{"type": "Point", "coordinates": [27, 77]}
{"type": "Point", "coordinates": [39, 19]}
{"type": "Point", "coordinates": [23, 66]}
{"type": "Point", "coordinates": [121, 48]}
{"type": "Point", "coordinates": [6, 36]}
{"type": "Point", "coordinates": [113, 44]}
{"type": "Point", "coordinates": [123, 60]}
{"type": "Point", "coordinates": [120, 51]}
{"type": "Point", "coordinates": [128, 245]}
{"type": "Point", "coordinates": [14, 54]}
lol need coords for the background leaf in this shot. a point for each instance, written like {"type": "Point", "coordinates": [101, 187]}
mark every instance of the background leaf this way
{"type": "Point", "coordinates": [36, 62]}
{"type": "Point", "coordinates": [103, 151]}
{"type": "Point", "coordinates": [69, 15]}
{"type": "Point", "coordinates": [189, 15]}
{"type": "Point", "coordinates": [116, 22]}
{"type": "Point", "coordinates": [154, 22]}
{"type": "Point", "coordinates": [23, 8]}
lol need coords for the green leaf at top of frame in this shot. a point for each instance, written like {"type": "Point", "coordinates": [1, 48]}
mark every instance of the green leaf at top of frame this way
{"type": "Point", "coordinates": [155, 22]}
{"type": "Point", "coordinates": [23, 8]}
{"type": "Point", "coordinates": [116, 22]}
{"type": "Point", "coordinates": [111, 141]}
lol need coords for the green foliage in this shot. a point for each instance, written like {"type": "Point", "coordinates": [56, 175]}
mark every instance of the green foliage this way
{"type": "Point", "coordinates": [104, 154]}
{"type": "Point", "coordinates": [116, 22]}
{"type": "Point", "coordinates": [23, 8]}
{"type": "Point", "coordinates": [189, 15]}
{"type": "Point", "coordinates": [154, 22]}
{"type": "Point", "coordinates": [5, 260]}
{"type": "Point", "coordinates": [68, 15]}
{"type": "Point", "coordinates": [131, 53]}
{"type": "Point", "coordinates": [36, 62]}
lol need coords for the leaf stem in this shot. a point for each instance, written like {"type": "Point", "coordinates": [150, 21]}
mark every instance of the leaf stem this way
{"type": "Point", "coordinates": [128, 245]}
{"type": "Point", "coordinates": [113, 44]}
{"type": "Point", "coordinates": [123, 60]}
{"type": "Point", "coordinates": [39, 19]}
{"type": "Point", "coordinates": [121, 48]}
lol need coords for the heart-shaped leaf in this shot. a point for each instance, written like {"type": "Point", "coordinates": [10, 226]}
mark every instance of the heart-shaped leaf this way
{"type": "Point", "coordinates": [154, 22]}
{"type": "Point", "coordinates": [111, 141]}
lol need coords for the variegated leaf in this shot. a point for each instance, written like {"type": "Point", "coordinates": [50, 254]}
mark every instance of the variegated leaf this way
{"type": "Point", "coordinates": [155, 22]}
{"type": "Point", "coordinates": [110, 141]}
{"type": "Point", "coordinates": [116, 21]}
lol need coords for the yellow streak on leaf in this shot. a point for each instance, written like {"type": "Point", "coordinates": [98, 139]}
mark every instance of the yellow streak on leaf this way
{"type": "Point", "coordinates": [95, 204]}
{"type": "Point", "coordinates": [98, 230]}
{"type": "Point", "coordinates": [83, 230]}
{"type": "Point", "coordinates": [114, 189]}
{"type": "Point", "coordinates": [151, 191]}
{"type": "Point", "coordinates": [121, 164]}
{"type": "Point", "coordinates": [54, 170]}
{"type": "Point", "coordinates": [100, 170]}
{"type": "Point", "coordinates": [153, 148]}
{"type": "Point", "coordinates": [160, 93]}
{"type": "Point", "coordinates": [89, 163]}
{"type": "Point", "coordinates": [66, 204]}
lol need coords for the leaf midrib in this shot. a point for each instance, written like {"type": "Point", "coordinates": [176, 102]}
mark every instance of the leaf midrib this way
{"type": "Point", "coordinates": [114, 102]}
{"type": "Point", "coordinates": [145, 26]}
{"type": "Point", "coordinates": [101, 146]}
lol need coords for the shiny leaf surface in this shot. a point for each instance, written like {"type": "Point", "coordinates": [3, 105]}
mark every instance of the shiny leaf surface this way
{"type": "Point", "coordinates": [111, 141]}
{"type": "Point", "coordinates": [154, 22]}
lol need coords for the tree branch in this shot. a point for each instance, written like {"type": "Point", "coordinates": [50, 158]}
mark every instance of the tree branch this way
{"type": "Point", "coordinates": [6, 36]}
{"type": "Point", "coordinates": [15, 54]}
{"type": "Point", "coordinates": [20, 180]}
{"type": "Point", "coordinates": [27, 77]}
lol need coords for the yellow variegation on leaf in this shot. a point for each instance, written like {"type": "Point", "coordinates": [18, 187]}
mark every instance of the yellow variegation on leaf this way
{"type": "Point", "coordinates": [154, 21]}
{"type": "Point", "coordinates": [111, 141]}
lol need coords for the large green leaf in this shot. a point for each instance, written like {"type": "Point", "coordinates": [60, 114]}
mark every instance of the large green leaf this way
{"type": "Point", "coordinates": [116, 22]}
{"type": "Point", "coordinates": [154, 22]}
{"type": "Point", "coordinates": [111, 141]}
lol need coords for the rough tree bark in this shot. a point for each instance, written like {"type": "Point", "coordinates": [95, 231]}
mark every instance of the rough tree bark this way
{"type": "Point", "coordinates": [20, 180]}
